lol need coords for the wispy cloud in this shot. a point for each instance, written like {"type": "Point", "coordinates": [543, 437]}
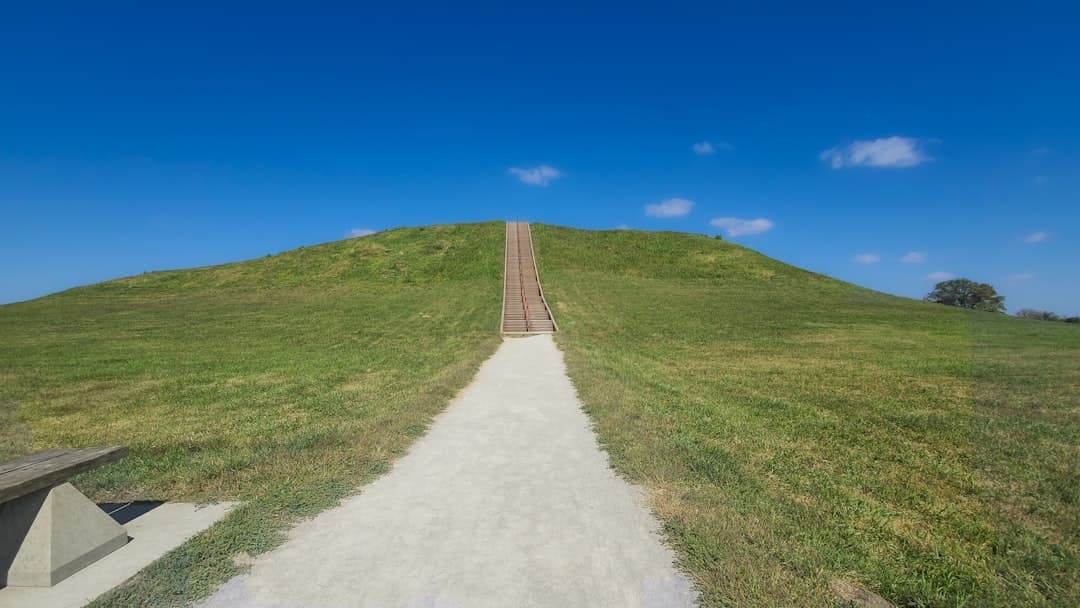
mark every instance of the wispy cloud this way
{"type": "Point", "coordinates": [940, 275]}
{"type": "Point", "coordinates": [706, 148]}
{"type": "Point", "coordinates": [1036, 237]}
{"type": "Point", "coordinates": [734, 226]}
{"type": "Point", "coordinates": [623, 227]}
{"type": "Point", "coordinates": [703, 148]}
{"type": "Point", "coordinates": [672, 207]}
{"type": "Point", "coordinates": [867, 258]}
{"type": "Point", "coordinates": [892, 152]}
{"type": "Point", "coordinates": [536, 176]}
{"type": "Point", "coordinates": [359, 232]}
{"type": "Point", "coordinates": [1020, 276]}
{"type": "Point", "coordinates": [913, 257]}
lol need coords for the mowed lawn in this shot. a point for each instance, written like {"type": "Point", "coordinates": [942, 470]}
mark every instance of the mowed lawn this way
{"type": "Point", "coordinates": [797, 433]}
{"type": "Point", "coordinates": [283, 382]}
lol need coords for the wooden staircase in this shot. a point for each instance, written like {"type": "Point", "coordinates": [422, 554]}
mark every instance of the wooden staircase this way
{"type": "Point", "coordinates": [524, 309]}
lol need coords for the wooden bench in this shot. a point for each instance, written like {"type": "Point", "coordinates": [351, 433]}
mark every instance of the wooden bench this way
{"type": "Point", "coordinates": [48, 529]}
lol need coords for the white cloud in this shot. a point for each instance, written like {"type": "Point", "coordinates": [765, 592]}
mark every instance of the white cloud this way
{"type": "Point", "coordinates": [913, 257]}
{"type": "Point", "coordinates": [360, 232]}
{"type": "Point", "coordinates": [739, 227]}
{"type": "Point", "coordinates": [867, 258]}
{"type": "Point", "coordinates": [1036, 237]}
{"type": "Point", "coordinates": [703, 148]}
{"type": "Point", "coordinates": [623, 227]}
{"type": "Point", "coordinates": [892, 152]}
{"type": "Point", "coordinates": [536, 176]}
{"type": "Point", "coordinates": [672, 207]}
{"type": "Point", "coordinates": [939, 276]}
{"type": "Point", "coordinates": [1021, 276]}
{"type": "Point", "coordinates": [707, 148]}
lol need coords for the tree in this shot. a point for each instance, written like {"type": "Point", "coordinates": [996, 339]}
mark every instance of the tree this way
{"type": "Point", "coordinates": [1038, 315]}
{"type": "Point", "coordinates": [966, 293]}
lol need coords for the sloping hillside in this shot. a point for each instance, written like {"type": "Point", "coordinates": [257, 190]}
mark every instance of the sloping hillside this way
{"type": "Point", "coordinates": [799, 434]}
{"type": "Point", "coordinates": [283, 381]}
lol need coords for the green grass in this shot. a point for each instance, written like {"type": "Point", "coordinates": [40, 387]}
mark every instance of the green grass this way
{"type": "Point", "coordinates": [791, 429]}
{"type": "Point", "coordinates": [794, 430]}
{"type": "Point", "coordinates": [283, 382]}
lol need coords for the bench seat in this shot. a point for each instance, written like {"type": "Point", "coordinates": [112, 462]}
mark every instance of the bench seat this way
{"type": "Point", "coordinates": [52, 467]}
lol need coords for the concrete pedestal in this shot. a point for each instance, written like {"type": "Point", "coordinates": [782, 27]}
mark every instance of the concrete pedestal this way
{"type": "Point", "coordinates": [51, 534]}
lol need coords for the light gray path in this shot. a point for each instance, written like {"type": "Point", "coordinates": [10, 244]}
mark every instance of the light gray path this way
{"type": "Point", "coordinates": [507, 501]}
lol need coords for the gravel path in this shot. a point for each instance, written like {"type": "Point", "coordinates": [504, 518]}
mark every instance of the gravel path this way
{"type": "Point", "coordinates": [506, 501]}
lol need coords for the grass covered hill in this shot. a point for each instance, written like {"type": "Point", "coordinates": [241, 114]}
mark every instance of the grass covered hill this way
{"type": "Point", "coordinates": [800, 435]}
{"type": "Point", "coordinates": [283, 381]}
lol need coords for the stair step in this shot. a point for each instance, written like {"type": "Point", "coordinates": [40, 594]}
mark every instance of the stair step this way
{"type": "Point", "coordinates": [524, 308]}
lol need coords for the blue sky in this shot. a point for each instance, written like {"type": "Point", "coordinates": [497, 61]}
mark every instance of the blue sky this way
{"type": "Point", "coordinates": [137, 137]}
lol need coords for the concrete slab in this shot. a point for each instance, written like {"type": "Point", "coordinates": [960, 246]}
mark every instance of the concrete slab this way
{"type": "Point", "coordinates": [152, 535]}
{"type": "Point", "coordinates": [506, 501]}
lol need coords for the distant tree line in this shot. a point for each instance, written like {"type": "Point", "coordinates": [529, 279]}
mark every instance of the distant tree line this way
{"type": "Point", "coordinates": [966, 293]}
{"type": "Point", "coordinates": [1044, 315]}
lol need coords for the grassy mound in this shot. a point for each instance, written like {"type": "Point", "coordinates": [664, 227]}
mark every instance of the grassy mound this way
{"type": "Point", "coordinates": [799, 434]}
{"type": "Point", "coordinates": [283, 381]}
